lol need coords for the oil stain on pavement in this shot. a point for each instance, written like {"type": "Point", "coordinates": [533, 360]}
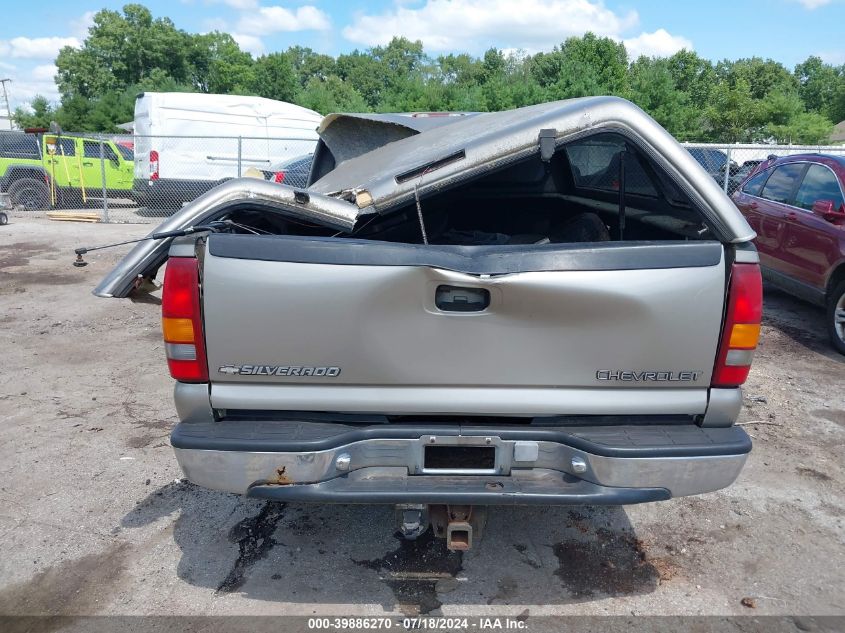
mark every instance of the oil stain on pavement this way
{"type": "Point", "coordinates": [415, 570]}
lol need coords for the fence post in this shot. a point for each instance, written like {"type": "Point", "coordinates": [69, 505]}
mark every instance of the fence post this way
{"type": "Point", "coordinates": [240, 142]}
{"type": "Point", "coordinates": [727, 170]}
{"type": "Point", "coordinates": [103, 176]}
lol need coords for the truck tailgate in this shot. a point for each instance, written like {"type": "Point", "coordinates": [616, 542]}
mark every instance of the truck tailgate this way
{"type": "Point", "coordinates": [321, 324]}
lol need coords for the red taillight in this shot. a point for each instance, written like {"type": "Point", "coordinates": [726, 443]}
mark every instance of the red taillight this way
{"type": "Point", "coordinates": [742, 326]}
{"type": "Point", "coordinates": [153, 165]}
{"type": "Point", "coordinates": [181, 321]}
{"type": "Point", "coordinates": [279, 177]}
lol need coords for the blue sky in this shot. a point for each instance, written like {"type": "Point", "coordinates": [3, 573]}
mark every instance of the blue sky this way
{"type": "Point", "coordinates": [785, 30]}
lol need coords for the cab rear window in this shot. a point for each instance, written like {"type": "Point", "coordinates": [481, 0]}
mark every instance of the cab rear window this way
{"type": "Point", "coordinates": [595, 165]}
{"type": "Point", "coordinates": [19, 145]}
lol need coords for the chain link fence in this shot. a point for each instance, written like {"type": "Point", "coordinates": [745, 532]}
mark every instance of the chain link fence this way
{"type": "Point", "coordinates": [137, 179]}
{"type": "Point", "coordinates": [143, 179]}
{"type": "Point", "coordinates": [730, 165]}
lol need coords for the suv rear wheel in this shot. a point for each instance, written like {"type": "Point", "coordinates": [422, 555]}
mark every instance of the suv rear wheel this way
{"type": "Point", "coordinates": [836, 317]}
{"type": "Point", "coordinates": [31, 194]}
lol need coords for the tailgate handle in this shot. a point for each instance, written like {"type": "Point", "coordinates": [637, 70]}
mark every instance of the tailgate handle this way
{"type": "Point", "coordinates": [459, 299]}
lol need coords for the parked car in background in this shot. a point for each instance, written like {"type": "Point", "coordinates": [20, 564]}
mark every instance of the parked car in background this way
{"type": "Point", "coordinates": [713, 161]}
{"type": "Point", "coordinates": [745, 170]}
{"type": "Point", "coordinates": [187, 143]}
{"type": "Point", "coordinates": [293, 172]}
{"type": "Point", "coordinates": [40, 171]}
{"type": "Point", "coordinates": [796, 204]}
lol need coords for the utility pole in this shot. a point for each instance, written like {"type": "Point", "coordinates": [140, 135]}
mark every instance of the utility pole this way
{"type": "Point", "coordinates": [6, 101]}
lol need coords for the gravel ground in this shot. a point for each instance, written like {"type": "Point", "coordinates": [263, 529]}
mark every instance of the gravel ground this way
{"type": "Point", "coordinates": [95, 518]}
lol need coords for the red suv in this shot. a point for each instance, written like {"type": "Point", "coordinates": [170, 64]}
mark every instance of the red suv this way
{"type": "Point", "coordinates": [796, 204]}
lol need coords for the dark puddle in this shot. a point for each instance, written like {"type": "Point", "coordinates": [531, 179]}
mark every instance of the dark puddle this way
{"type": "Point", "coordinates": [413, 570]}
{"type": "Point", "coordinates": [254, 536]}
{"type": "Point", "coordinates": [18, 254]}
{"type": "Point", "coordinates": [611, 563]}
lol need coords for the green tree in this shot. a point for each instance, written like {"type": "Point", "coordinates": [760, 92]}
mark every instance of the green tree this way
{"type": "Point", "coordinates": [274, 78]}
{"type": "Point", "coordinates": [121, 49]}
{"type": "Point", "coordinates": [809, 128]}
{"type": "Point", "coordinates": [583, 66]}
{"type": "Point", "coordinates": [331, 95]}
{"type": "Point", "coordinates": [762, 76]}
{"type": "Point", "coordinates": [733, 115]}
{"type": "Point", "coordinates": [652, 87]}
{"type": "Point", "coordinates": [221, 67]}
{"type": "Point", "coordinates": [818, 84]}
{"type": "Point", "coordinates": [692, 75]}
{"type": "Point", "coordinates": [39, 114]}
{"type": "Point", "coordinates": [837, 104]}
{"type": "Point", "coordinates": [362, 71]}
{"type": "Point", "coordinates": [307, 64]}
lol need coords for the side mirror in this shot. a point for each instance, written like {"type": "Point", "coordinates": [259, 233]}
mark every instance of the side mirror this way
{"type": "Point", "coordinates": [826, 209]}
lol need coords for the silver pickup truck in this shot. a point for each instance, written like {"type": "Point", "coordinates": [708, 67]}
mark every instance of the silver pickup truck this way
{"type": "Point", "coordinates": [550, 305]}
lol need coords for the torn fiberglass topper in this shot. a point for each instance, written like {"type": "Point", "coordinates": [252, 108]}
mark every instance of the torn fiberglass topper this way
{"type": "Point", "coordinates": [595, 169]}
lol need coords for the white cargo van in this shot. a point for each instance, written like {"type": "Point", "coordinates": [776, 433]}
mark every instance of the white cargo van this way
{"type": "Point", "coordinates": [187, 143]}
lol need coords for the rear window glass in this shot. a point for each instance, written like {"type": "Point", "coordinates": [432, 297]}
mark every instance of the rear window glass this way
{"type": "Point", "coordinates": [595, 165]}
{"type": "Point", "coordinates": [61, 146]}
{"type": "Point", "coordinates": [15, 145]}
{"type": "Point", "coordinates": [781, 183]}
{"type": "Point", "coordinates": [819, 184]}
{"type": "Point", "coordinates": [755, 184]}
{"type": "Point", "coordinates": [126, 152]}
{"type": "Point", "coordinates": [712, 160]}
{"type": "Point", "coordinates": [92, 150]}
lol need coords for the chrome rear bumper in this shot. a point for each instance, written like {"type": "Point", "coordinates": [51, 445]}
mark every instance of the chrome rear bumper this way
{"type": "Point", "coordinates": [386, 464]}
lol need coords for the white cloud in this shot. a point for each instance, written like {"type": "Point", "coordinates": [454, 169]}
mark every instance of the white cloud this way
{"type": "Point", "coordinates": [238, 5]}
{"type": "Point", "coordinates": [249, 43]}
{"type": "Point", "coordinates": [27, 83]}
{"type": "Point", "coordinates": [44, 72]}
{"type": "Point", "coordinates": [79, 27]}
{"type": "Point", "coordinates": [276, 19]}
{"type": "Point", "coordinates": [35, 47]}
{"type": "Point", "coordinates": [475, 25]}
{"type": "Point", "coordinates": [660, 43]}
{"type": "Point", "coordinates": [813, 4]}
{"type": "Point", "coordinates": [241, 5]}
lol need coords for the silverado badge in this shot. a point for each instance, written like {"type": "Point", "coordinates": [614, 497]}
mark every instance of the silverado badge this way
{"type": "Point", "coordinates": [278, 370]}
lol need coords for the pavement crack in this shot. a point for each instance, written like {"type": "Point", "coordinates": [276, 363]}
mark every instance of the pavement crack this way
{"type": "Point", "coordinates": [254, 536]}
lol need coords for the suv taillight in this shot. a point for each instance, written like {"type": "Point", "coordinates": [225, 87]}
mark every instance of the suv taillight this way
{"type": "Point", "coordinates": [742, 326]}
{"type": "Point", "coordinates": [181, 322]}
{"type": "Point", "coordinates": [153, 165]}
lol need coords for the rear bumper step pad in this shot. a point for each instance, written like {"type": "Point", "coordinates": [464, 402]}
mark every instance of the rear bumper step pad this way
{"type": "Point", "coordinates": [635, 441]}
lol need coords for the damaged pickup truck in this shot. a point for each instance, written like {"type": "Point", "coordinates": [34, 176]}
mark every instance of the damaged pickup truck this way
{"type": "Point", "coordinates": [549, 305]}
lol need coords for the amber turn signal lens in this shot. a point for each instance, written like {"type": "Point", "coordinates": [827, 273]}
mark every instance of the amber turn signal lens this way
{"type": "Point", "coordinates": [177, 330]}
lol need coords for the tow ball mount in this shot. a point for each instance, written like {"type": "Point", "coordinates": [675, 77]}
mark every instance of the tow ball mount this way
{"type": "Point", "coordinates": [460, 525]}
{"type": "Point", "coordinates": [459, 529]}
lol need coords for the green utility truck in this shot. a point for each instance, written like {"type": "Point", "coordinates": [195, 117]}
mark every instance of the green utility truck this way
{"type": "Point", "coordinates": [45, 170]}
